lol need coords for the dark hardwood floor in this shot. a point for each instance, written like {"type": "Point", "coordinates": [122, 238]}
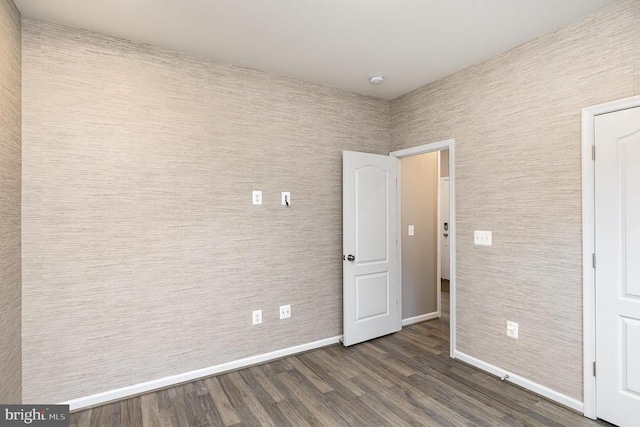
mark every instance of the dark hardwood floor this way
{"type": "Point", "coordinates": [402, 379]}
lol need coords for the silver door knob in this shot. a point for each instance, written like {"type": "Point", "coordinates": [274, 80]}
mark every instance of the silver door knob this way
{"type": "Point", "coordinates": [351, 258]}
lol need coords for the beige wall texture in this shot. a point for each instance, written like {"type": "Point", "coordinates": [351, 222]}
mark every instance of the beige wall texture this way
{"type": "Point", "coordinates": [10, 187]}
{"type": "Point", "coordinates": [516, 120]}
{"type": "Point", "coordinates": [143, 254]}
{"type": "Point", "coordinates": [444, 163]}
{"type": "Point", "coordinates": [419, 252]}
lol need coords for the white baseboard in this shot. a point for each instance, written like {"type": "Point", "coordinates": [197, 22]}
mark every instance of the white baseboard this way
{"type": "Point", "coordinates": [421, 318]}
{"type": "Point", "coordinates": [560, 398]}
{"type": "Point", "coordinates": [140, 388]}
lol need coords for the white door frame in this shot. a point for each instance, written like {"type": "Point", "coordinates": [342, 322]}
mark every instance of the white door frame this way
{"type": "Point", "coordinates": [588, 244]}
{"type": "Point", "coordinates": [422, 149]}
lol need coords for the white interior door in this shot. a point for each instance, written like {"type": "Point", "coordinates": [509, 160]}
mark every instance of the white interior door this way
{"type": "Point", "coordinates": [617, 236]}
{"type": "Point", "coordinates": [445, 226]}
{"type": "Point", "coordinates": [370, 250]}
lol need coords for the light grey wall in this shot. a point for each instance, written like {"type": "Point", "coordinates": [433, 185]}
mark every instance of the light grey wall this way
{"type": "Point", "coordinates": [518, 157]}
{"type": "Point", "coordinates": [143, 256]}
{"type": "Point", "coordinates": [10, 187]}
{"type": "Point", "coordinates": [444, 163]}
{"type": "Point", "coordinates": [419, 252]}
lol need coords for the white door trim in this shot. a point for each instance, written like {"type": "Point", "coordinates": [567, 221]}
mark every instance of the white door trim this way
{"type": "Point", "coordinates": [429, 148]}
{"type": "Point", "coordinates": [588, 244]}
{"type": "Point", "coordinates": [443, 179]}
{"type": "Point", "coordinates": [438, 243]}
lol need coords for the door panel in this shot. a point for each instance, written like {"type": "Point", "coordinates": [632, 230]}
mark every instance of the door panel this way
{"type": "Point", "coordinates": [630, 152]}
{"type": "Point", "coordinates": [372, 229]}
{"type": "Point", "coordinates": [632, 356]}
{"type": "Point", "coordinates": [617, 201]}
{"type": "Point", "coordinates": [372, 296]}
{"type": "Point", "coordinates": [369, 242]}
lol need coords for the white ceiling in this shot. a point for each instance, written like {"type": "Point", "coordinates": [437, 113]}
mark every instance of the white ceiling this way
{"type": "Point", "coordinates": [337, 43]}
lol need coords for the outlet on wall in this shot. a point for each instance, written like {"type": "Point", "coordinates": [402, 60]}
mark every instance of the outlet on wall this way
{"type": "Point", "coordinates": [256, 197]}
{"type": "Point", "coordinates": [285, 311]}
{"type": "Point", "coordinates": [256, 317]}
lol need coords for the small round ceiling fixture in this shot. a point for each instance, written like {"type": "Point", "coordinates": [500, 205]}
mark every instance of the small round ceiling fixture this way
{"type": "Point", "coordinates": [376, 79]}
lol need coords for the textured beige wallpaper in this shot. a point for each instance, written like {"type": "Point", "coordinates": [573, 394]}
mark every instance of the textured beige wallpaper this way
{"type": "Point", "coordinates": [444, 163]}
{"type": "Point", "coordinates": [420, 183]}
{"type": "Point", "coordinates": [10, 177]}
{"type": "Point", "coordinates": [143, 256]}
{"type": "Point", "coordinates": [516, 121]}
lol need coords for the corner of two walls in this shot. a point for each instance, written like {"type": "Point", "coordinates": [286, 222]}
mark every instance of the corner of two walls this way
{"type": "Point", "coordinates": [10, 205]}
{"type": "Point", "coordinates": [516, 121]}
{"type": "Point", "coordinates": [143, 255]}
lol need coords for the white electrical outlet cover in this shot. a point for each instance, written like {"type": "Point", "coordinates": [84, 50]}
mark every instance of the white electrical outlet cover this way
{"type": "Point", "coordinates": [285, 311]}
{"type": "Point", "coordinates": [256, 317]}
{"type": "Point", "coordinates": [256, 197]}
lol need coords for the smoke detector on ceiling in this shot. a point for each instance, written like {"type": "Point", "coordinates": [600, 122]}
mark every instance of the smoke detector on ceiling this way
{"type": "Point", "coordinates": [376, 79]}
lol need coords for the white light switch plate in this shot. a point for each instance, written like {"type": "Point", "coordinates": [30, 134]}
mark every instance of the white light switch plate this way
{"type": "Point", "coordinates": [411, 230]}
{"type": "Point", "coordinates": [512, 329]}
{"type": "Point", "coordinates": [257, 197]}
{"type": "Point", "coordinates": [482, 238]}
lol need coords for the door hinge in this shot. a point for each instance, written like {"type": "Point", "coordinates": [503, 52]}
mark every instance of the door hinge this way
{"type": "Point", "coordinates": [594, 369]}
{"type": "Point", "coordinates": [593, 152]}
{"type": "Point", "coordinates": [593, 258]}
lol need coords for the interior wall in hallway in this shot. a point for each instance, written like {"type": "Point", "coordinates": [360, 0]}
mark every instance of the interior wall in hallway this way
{"type": "Point", "coordinates": [419, 252]}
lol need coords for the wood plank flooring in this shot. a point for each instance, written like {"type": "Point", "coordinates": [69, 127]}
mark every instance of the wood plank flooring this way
{"type": "Point", "coordinates": [404, 379]}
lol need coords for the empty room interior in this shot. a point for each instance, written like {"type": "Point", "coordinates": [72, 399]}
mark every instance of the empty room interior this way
{"type": "Point", "coordinates": [218, 212]}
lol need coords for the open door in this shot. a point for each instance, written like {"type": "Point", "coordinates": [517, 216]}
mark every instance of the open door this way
{"type": "Point", "coordinates": [617, 272]}
{"type": "Point", "coordinates": [370, 285]}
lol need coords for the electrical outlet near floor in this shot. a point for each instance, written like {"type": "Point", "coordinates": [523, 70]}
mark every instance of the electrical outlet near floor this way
{"type": "Point", "coordinates": [285, 311]}
{"type": "Point", "coordinates": [256, 317]}
{"type": "Point", "coordinates": [512, 329]}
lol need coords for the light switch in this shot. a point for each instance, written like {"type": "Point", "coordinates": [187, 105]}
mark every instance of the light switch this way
{"type": "Point", "coordinates": [512, 329]}
{"type": "Point", "coordinates": [411, 230]}
{"type": "Point", "coordinates": [286, 198]}
{"type": "Point", "coordinates": [257, 197]}
{"type": "Point", "coordinates": [482, 238]}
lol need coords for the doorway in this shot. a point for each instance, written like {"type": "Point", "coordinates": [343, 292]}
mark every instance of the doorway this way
{"type": "Point", "coordinates": [424, 201]}
{"type": "Point", "coordinates": [372, 238]}
{"type": "Point", "coordinates": [408, 231]}
{"type": "Point", "coordinates": [419, 244]}
{"type": "Point", "coordinates": [611, 246]}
